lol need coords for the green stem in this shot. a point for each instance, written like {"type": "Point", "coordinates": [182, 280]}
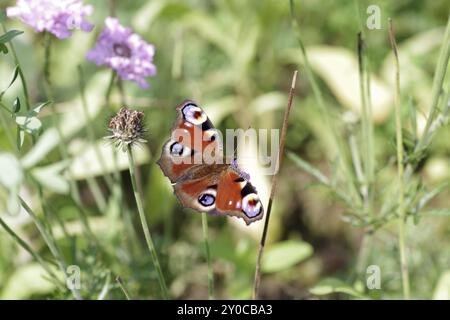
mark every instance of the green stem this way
{"type": "Point", "coordinates": [28, 105]}
{"type": "Point", "coordinates": [368, 146]}
{"type": "Point", "coordinates": [123, 99]}
{"type": "Point", "coordinates": [109, 89]}
{"type": "Point", "coordinates": [367, 127]}
{"type": "Point", "coordinates": [122, 287]}
{"type": "Point", "coordinates": [8, 130]}
{"type": "Point", "coordinates": [439, 77]}
{"type": "Point", "coordinates": [208, 256]}
{"type": "Point", "coordinates": [34, 254]}
{"type": "Point", "coordinates": [117, 177]}
{"type": "Point", "coordinates": [148, 238]}
{"type": "Point", "coordinates": [75, 194]}
{"type": "Point", "coordinates": [5, 108]}
{"type": "Point", "coordinates": [97, 193]}
{"type": "Point", "coordinates": [400, 171]}
{"type": "Point", "coordinates": [112, 8]}
{"type": "Point", "coordinates": [47, 210]}
{"type": "Point", "coordinates": [438, 84]}
{"type": "Point", "coordinates": [327, 117]}
{"type": "Point", "coordinates": [21, 75]}
{"type": "Point", "coordinates": [50, 243]}
{"type": "Point", "coordinates": [363, 253]}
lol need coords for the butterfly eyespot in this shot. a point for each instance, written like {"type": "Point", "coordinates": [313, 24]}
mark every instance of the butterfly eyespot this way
{"type": "Point", "coordinates": [251, 205]}
{"type": "Point", "coordinates": [193, 114]}
{"type": "Point", "coordinates": [207, 198]}
{"type": "Point", "coordinates": [176, 149]}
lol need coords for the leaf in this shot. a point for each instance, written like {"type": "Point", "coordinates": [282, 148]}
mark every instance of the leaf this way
{"type": "Point", "coordinates": [27, 281]}
{"type": "Point", "coordinates": [158, 10]}
{"type": "Point", "coordinates": [16, 105]}
{"type": "Point", "coordinates": [20, 138]}
{"type": "Point", "coordinates": [51, 178]}
{"type": "Point", "coordinates": [28, 122]}
{"type": "Point", "coordinates": [308, 168]}
{"type": "Point", "coordinates": [333, 285]}
{"type": "Point", "coordinates": [285, 254]}
{"type": "Point", "coordinates": [436, 212]}
{"type": "Point", "coordinates": [221, 108]}
{"type": "Point", "coordinates": [268, 102]}
{"type": "Point", "coordinates": [86, 163]}
{"type": "Point", "coordinates": [11, 174]}
{"type": "Point", "coordinates": [412, 108]}
{"type": "Point", "coordinates": [13, 204]}
{"type": "Point", "coordinates": [147, 14]}
{"type": "Point", "coordinates": [208, 28]}
{"type": "Point", "coordinates": [9, 35]}
{"type": "Point", "coordinates": [11, 177]}
{"type": "Point", "coordinates": [338, 67]}
{"type": "Point", "coordinates": [106, 288]}
{"type": "Point", "coordinates": [14, 77]}
{"type": "Point", "coordinates": [32, 125]}
{"type": "Point", "coordinates": [414, 77]}
{"type": "Point", "coordinates": [39, 107]}
{"type": "Point", "coordinates": [44, 145]}
{"type": "Point", "coordinates": [3, 48]}
{"type": "Point", "coordinates": [99, 225]}
{"type": "Point", "coordinates": [425, 199]}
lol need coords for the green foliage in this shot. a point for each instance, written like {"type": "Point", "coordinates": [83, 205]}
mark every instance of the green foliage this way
{"type": "Point", "coordinates": [331, 285]}
{"type": "Point", "coordinates": [236, 58]}
{"type": "Point", "coordinates": [284, 255]}
{"type": "Point", "coordinates": [8, 36]}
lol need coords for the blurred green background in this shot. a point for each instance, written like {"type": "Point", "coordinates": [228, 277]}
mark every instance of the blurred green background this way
{"type": "Point", "coordinates": [236, 59]}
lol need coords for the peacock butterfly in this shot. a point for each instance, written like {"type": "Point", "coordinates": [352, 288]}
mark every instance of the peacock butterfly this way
{"type": "Point", "coordinates": [202, 177]}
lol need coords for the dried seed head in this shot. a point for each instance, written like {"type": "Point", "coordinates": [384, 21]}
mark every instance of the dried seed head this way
{"type": "Point", "coordinates": [126, 127]}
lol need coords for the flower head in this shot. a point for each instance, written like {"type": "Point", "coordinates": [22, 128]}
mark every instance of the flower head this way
{"type": "Point", "coordinates": [57, 17]}
{"type": "Point", "coordinates": [126, 127]}
{"type": "Point", "coordinates": [125, 52]}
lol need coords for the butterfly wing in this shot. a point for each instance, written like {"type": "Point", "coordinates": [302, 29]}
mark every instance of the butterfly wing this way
{"type": "Point", "coordinates": [193, 140]}
{"type": "Point", "coordinates": [221, 192]}
{"type": "Point", "coordinates": [237, 197]}
{"type": "Point", "coordinates": [193, 161]}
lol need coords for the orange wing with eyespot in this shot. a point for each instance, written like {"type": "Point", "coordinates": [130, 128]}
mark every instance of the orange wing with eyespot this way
{"type": "Point", "coordinates": [192, 134]}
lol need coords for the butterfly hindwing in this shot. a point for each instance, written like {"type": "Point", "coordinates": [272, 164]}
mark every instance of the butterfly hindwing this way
{"type": "Point", "coordinates": [237, 197]}
{"type": "Point", "coordinates": [222, 191]}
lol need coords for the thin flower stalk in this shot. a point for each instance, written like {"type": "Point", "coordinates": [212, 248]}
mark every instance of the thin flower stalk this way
{"type": "Point", "coordinates": [400, 169]}
{"type": "Point", "coordinates": [126, 131]}
{"type": "Point", "coordinates": [273, 189]}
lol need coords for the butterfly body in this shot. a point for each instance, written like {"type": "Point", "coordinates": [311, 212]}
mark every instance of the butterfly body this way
{"type": "Point", "coordinates": [203, 179]}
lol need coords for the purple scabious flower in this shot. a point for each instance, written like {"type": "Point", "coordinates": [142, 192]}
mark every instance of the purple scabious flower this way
{"type": "Point", "coordinates": [58, 17]}
{"type": "Point", "coordinates": [125, 52]}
